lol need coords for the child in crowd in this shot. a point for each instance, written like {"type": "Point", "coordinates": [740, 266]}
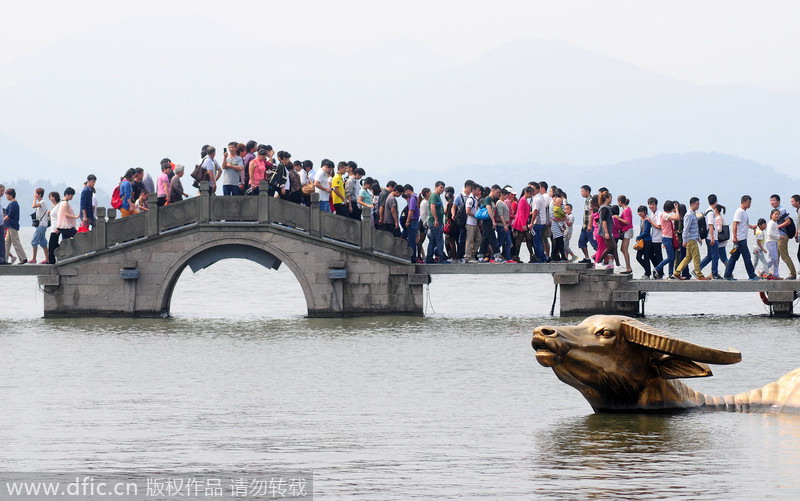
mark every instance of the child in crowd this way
{"type": "Point", "coordinates": [773, 236]}
{"type": "Point", "coordinates": [569, 222]}
{"type": "Point", "coordinates": [760, 251]}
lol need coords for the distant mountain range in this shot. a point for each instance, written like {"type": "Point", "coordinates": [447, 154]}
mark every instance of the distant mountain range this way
{"type": "Point", "coordinates": [71, 110]}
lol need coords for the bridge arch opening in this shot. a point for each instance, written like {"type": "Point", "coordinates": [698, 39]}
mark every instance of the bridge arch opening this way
{"type": "Point", "coordinates": [236, 287]}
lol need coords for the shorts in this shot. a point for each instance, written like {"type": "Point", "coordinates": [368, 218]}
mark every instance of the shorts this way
{"type": "Point", "coordinates": [628, 234]}
{"type": "Point", "coordinates": [547, 232]}
{"type": "Point", "coordinates": [39, 239]}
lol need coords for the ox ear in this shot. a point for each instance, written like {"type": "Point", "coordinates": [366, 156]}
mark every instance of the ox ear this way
{"type": "Point", "coordinates": [674, 368]}
{"type": "Point", "coordinates": [655, 340]}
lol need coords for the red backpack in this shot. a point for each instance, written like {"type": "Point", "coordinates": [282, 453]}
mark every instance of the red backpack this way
{"type": "Point", "coordinates": [116, 200]}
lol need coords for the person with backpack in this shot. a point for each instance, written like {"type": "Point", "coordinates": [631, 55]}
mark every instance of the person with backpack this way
{"type": "Point", "coordinates": [122, 196]}
{"type": "Point", "coordinates": [691, 241]}
{"type": "Point", "coordinates": [473, 233]}
{"type": "Point", "coordinates": [459, 216]}
{"type": "Point", "coordinates": [212, 169]}
{"type": "Point", "coordinates": [786, 227]}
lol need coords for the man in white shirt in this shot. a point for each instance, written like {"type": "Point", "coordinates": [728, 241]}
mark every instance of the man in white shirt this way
{"type": "Point", "coordinates": [539, 218]}
{"type": "Point", "coordinates": [548, 201]}
{"type": "Point", "coordinates": [741, 226]}
{"type": "Point", "coordinates": [322, 185]}
{"type": "Point", "coordinates": [473, 238]}
{"type": "Point", "coordinates": [213, 168]}
{"type": "Point", "coordinates": [656, 256]}
{"type": "Point", "coordinates": [795, 200]}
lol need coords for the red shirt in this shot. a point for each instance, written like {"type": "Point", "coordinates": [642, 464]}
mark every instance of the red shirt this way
{"type": "Point", "coordinates": [523, 215]}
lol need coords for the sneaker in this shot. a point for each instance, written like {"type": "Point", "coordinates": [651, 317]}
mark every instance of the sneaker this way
{"type": "Point", "coordinates": [574, 259]}
{"type": "Point", "coordinates": [511, 261]}
{"type": "Point", "coordinates": [703, 277]}
{"type": "Point", "coordinates": [729, 279]}
{"type": "Point", "coordinates": [24, 261]}
{"type": "Point", "coordinates": [645, 277]}
{"type": "Point", "coordinates": [791, 277]}
{"type": "Point", "coordinates": [599, 266]}
{"type": "Point", "coordinates": [626, 272]}
{"type": "Point", "coordinates": [445, 261]}
{"type": "Point", "coordinates": [754, 279]}
{"type": "Point", "coordinates": [11, 259]}
{"type": "Point", "coordinates": [585, 261]}
{"type": "Point", "coordinates": [499, 260]}
{"type": "Point", "coordinates": [716, 276]}
{"type": "Point", "coordinates": [44, 261]}
{"type": "Point", "coordinates": [678, 276]}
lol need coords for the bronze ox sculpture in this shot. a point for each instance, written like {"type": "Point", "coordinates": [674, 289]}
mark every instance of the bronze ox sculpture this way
{"type": "Point", "coordinates": [621, 364]}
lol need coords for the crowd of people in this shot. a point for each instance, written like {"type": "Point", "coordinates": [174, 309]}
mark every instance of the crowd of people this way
{"type": "Point", "coordinates": [474, 224]}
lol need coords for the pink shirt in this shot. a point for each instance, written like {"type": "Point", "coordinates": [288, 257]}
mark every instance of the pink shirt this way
{"type": "Point", "coordinates": [259, 171]}
{"type": "Point", "coordinates": [522, 216]}
{"type": "Point", "coordinates": [667, 228]}
{"type": "Point", "coordinates": [163, 185]}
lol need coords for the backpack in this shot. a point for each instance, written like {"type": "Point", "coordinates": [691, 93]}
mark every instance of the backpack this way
{"type": "Point", "coordinates": [199, 174]}
{"type": "Point", "coordinates": [461, 213]}
{"type": "Point", "coordinates": [790, 229]}
{"type": "Point", "coordinates": [116, 199]}
{"type": "Point", "coordinates": [702, 226]}
{"type": "Point", "coordinates": [278, 177]}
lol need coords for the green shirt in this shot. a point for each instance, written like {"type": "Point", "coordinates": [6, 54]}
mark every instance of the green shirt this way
{"type": "Point", "coordinates": [435, 202]}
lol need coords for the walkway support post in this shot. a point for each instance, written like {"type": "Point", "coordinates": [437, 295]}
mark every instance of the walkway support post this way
{"type": "Point", "coordinates": [152, 214]}
{"type": "Point", "coordinates": [263, 202]}
{"type": "Point", "coordinates": [205, 203]}
{"type": "Point", "coordinates": [366, 229]}
{"type": "Point", "coordinates": [316, 217]}
{"type": "Point", "coordinates": [99, 230]}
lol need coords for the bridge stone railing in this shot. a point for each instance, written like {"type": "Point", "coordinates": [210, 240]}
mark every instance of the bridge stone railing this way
{"type": "Point", "coordinates": [110, 231]}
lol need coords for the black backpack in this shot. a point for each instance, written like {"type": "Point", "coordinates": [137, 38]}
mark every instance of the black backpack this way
{"type": "Point", "coordinates": [702, 226]}
{"type": "Point", "coordinates": [278, 177]}
{"type": "Point", "coordinates": [461, 213]}
{"type": "Point", "coordinates": [790, 229]}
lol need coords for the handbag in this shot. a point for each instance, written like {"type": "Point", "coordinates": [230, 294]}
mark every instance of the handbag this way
{"type": "Point", "coordinates": [308, 188]}
{"type": "Point", "coordinates": [724, 234]}
{"type": "Point", "coordinates": [448, 228]}
{"type": "Point", "coordinates": [482, 214]}
{"type": "Point", "coordinates": [639, 245]}
{"type": "Point", "coordinates": [34, 221]}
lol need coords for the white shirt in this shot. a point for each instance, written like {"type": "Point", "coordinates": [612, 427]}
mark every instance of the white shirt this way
{"type": "Point", "coordinates": [303, 177]}
{"type": "Point", "coordinates": [325, 181]}
{"type": "Point", "coordinates": [211, 166]}
{"type": "Point", "coordinates": [41, 213]}
{"type": "Point", "coordinates": [548, 204]}
{"type": "Point", "coordinates": [743, 224]}
{"type": "Point", "coordinates": [540, 204]}
{"type": "Point", "coordinates": [472, 209]}
{"type": "Point", "coordinates": [773, 234]}
{"type": "Point", "coordinates": [655, 233]}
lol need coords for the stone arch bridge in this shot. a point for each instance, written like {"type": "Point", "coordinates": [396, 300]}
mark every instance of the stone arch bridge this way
{"type": "Point", "coordinates": [129, 266]}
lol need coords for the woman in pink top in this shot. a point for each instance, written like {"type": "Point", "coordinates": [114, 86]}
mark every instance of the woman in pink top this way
{"type": "Point", "coordinates": [667, 217]}
{"type": "Point", "coordinates": [162, 184]}
{"type": "Point", "coordinates": [258, 170]}
{"type": "Point", "coordinates": [521, 225]}
{"type": "Point", "coordinates": [625, 220]}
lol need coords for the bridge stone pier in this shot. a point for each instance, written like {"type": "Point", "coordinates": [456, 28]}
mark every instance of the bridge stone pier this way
{"type": "Point", "coordinates": [129, 266]}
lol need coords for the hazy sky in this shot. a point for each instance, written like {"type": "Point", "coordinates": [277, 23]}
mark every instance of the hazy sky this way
{"type": "Point", "coordinates": [99, 86]}
{"type": "Point", "coordinates": [724, 42]}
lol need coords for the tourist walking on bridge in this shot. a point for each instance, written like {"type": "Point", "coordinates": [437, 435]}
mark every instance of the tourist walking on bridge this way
{"type": "Point", "coordinates": [666, 228]}
{"type": "Point", "coordinates": [741, 226]}
{"type": "Point", "coordinates": [436, 226]}
{"type": "Point", "coordinates": [11, 223]}
{"type": "Point", "coordinates": [86, 208]}
{"type": "Point", "coordinates": [40, 223]}
{"type": "Point", "coordinates": [691, 241]}
{"type": "Point", "coordinates": [643, 250]}
{"type": "Point", "coordinates": [176, 193]}
{"type": "Point", "coordinates": [322, 185]}
{"type": "Point", "coordinates": [786, 227]}
{"type": "Point", "coordinates": [232, 169]}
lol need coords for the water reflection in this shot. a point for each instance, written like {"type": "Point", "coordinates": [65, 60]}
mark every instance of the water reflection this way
{"type": "Point", "coordinates": [628, 456]}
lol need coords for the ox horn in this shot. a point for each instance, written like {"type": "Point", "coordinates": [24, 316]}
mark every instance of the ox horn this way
{"type": "Point", "coordinates": [642, 334]}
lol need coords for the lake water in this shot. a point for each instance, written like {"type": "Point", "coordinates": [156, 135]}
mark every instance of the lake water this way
{"type": "Point", "coordinates": [448, 406]}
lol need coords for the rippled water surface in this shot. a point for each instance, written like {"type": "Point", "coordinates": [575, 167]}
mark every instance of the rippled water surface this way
{"type": "Point", "coordinates": [453, 405]}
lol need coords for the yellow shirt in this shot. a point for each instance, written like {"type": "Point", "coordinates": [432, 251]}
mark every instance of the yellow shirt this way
{"type": "Point", "coordinates": [337, 188]}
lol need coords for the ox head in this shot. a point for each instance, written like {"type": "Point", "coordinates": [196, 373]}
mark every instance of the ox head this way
{"type": "Point", "coordinates": [617, 362]}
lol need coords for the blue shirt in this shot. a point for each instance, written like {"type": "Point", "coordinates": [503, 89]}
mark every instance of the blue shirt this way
{"type": "Point", "coordinates": [690, 229]}
{"type": "Point", "coordinates": [125, 193]}
{"type": "Point", "coordinates": [645, 234]}
{"type": "Point", "coordinates": [12, 211]}
{"type": "Point", "coordinates": [86, 203]}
